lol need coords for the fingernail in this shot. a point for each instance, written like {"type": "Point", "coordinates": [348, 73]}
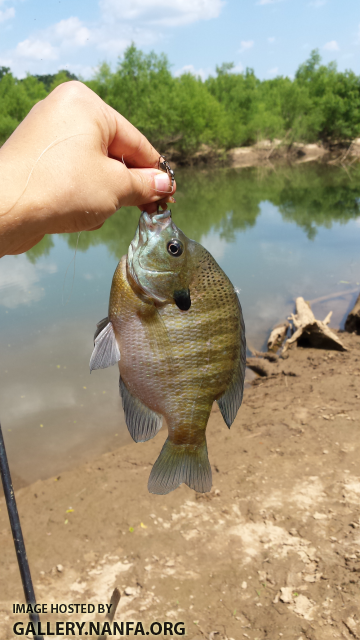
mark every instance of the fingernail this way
{"type": "Point", "coordinates": [162, 182]}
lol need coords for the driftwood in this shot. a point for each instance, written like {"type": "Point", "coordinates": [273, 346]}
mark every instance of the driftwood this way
{"type": "Point", "coordinates": [278, 335]}
{"type": "Point", "coordinates": [352, 324]}
{"type": "Point", "coordinates": [314, 332]}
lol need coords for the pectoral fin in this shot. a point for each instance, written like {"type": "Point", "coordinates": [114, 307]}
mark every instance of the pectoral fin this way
{"type": "Point", "coordinates": [100, 326]}
{"type": "Point", "coordinates": [142, 423]}
{"type": "Point", "coordinates": [106, 351]}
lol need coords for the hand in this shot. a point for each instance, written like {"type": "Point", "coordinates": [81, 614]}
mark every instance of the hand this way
{"type": "Point", "coordinates": [70, 165]}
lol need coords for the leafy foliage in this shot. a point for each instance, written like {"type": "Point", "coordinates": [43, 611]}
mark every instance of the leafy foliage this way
{"type": "Point", "coordinates": [230, 109]}
{"type": "Point", "coordinates": [17, 97]}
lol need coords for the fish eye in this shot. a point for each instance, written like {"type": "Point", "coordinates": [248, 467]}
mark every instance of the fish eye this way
{"type": "Point", "coordinates": [175, 248]}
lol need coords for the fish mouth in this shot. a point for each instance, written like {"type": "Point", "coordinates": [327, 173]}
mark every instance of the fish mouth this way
{"type": "Point", "coordinates": [154, 224]}
{"type": "Point", "coordinates": [149, 225]}
{"type": "Point", "coordinates": [158, 219]}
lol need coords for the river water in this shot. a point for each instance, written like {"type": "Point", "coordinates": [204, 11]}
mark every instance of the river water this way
{"type": "Point", "coordinates": [277, 233]}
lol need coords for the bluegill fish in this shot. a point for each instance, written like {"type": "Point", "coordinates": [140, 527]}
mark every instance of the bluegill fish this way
{"type": "Point", "coordinates": [176, 320]}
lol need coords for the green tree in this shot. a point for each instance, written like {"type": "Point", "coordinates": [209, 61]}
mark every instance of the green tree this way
{"type": "Point", "coordinates": [179, 114]}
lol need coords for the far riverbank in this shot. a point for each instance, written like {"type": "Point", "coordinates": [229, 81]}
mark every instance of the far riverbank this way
{"type": "Point", "coordinates": [267, 152]}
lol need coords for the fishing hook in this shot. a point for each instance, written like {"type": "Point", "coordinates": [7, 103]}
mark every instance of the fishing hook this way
{"type": "Point", "coordinates": [165, 166]}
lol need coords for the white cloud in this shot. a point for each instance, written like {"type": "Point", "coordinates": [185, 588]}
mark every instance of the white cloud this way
{"type": "Point", "coordinates": [113, 46]}
{"type": "Point", "coordinates": [6, 62]}
{"type": "Point", "coordinates": [47, 45]}
{"type": "Point", "coordinates": [262, 2]}
{"type": "Point", "coordinates": [36, 400]}
{"type": "Point", "coordinates": [36, 49]}
{"type": "Point", "coordinates": [271, 40]}
{"type": "Point", "coordinates": [162, 12]}
{"type": "Point", "coordinates": [71, 32]}
{"type": "Point", "coordinates": [143, 22]}
{"type": "Point", "coordinates": [273, 72]}
{"type": "Point", "coordinates": [113, 38]}
{"type": "Point", "coordinates": [7, 14]}
{"type": "Point", "coordinates": [331, 46]}
{"type": "Point", "coordinates": [83, 70]}
{"type": "Point", "coordinates": [238, 68]}
{"type": "Point", "coordinates": [19, 281]}
{"type": "Point", "coordinates": [245, 45]}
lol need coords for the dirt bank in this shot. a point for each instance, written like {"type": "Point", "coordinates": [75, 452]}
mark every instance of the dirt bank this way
{"type": "Point", "coordinates": [274, 549]}
{"type": "Point", "coordinates": [267, 152]}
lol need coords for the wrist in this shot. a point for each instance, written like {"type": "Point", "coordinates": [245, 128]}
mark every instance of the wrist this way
{"type": "Point", "coordinates": [17, 224]}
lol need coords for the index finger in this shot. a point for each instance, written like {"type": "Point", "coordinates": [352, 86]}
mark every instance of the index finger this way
{"type": "Point", "coordinates": [130, 145]}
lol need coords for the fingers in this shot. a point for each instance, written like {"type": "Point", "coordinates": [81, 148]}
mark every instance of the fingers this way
{"type": "Point", "coordinates": [130, 145]}
{"type": "Point", "coordinates": [135, 187]}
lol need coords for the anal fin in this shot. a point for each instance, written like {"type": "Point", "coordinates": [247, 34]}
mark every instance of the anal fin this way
{"type": "Point", "coordinates": [142, 423]}
{"type": "Point", "coordinates": [106, 350]}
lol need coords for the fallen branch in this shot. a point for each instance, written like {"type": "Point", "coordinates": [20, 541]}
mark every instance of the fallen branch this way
{"type": "Point", "coordinates": [315, 332]}
{"type": "Point", "coordinates": [352, 324]}
{"type": "Point", "coordinates": [331, 296]}
{"type": "Point", "coordinates": [278, 335]}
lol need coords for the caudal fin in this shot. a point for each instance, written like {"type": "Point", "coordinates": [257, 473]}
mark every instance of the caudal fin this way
{"type": "Point", "coordinates": [178, 463]}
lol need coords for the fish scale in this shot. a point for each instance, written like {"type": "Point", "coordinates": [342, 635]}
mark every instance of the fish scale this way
{"type": "Point", "coordinates": [176, 320]}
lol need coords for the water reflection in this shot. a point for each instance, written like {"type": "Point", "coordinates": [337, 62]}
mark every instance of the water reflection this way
{"type": "Point", "coordinates": [20, 281]}
{"type": "Point", "coordinates": [225, 201]}
{"type": "Point", "coordinates": [53, 412]}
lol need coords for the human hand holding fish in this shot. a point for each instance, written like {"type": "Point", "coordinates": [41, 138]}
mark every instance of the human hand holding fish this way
{"type": "Point", "coordinates": [72, 163]}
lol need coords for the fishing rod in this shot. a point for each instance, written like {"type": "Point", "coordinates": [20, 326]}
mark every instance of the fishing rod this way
{"type": "Point", "coordinates": [18, 536]}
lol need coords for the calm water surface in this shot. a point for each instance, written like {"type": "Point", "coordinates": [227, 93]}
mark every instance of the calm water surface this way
{"type": "Point", "coordinates": [277, 234]}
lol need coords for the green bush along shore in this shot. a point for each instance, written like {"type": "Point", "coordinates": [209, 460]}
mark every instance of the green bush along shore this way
{"type": "Point", "coordinates": [321, 104]}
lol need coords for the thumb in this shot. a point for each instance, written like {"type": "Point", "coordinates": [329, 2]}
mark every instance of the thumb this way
{"type": "Point", "coordinates": [136, 187]}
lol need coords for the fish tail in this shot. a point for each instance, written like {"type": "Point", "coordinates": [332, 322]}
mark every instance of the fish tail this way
{"type": "Point", "coordinates": [178, 463]}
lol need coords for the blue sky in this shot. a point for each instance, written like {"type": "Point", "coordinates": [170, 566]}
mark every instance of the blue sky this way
{"type": "Point", "coordinates": [271, 36]}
